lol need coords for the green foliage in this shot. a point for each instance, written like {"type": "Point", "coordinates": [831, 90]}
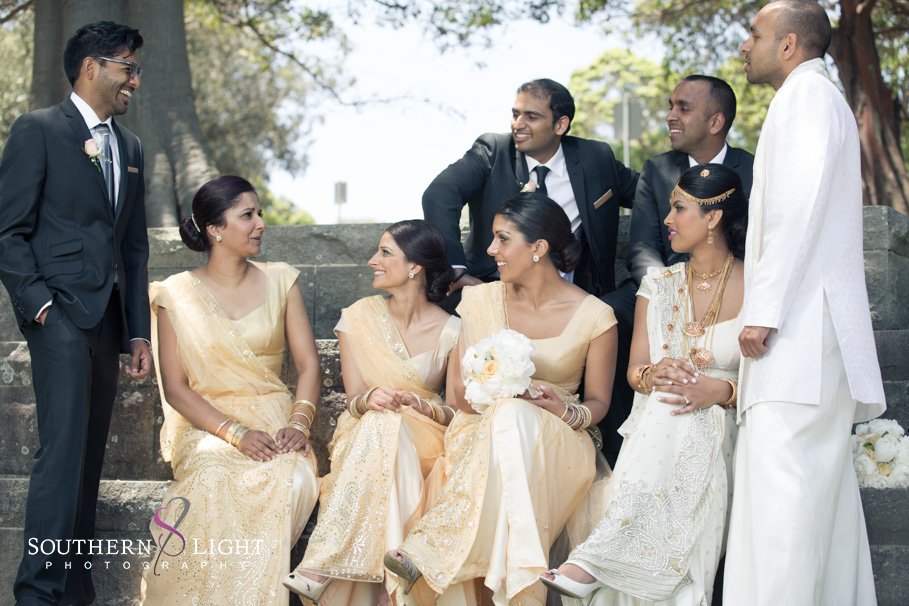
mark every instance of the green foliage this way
{"type": "Point", "coordinates": [597, 90]}
{"type": "Point", "coordinates": [15, 71]}
{"type": "Point", "coordinates": [253, 104]}
{"type": "Point", "coordinates": [278, 210]}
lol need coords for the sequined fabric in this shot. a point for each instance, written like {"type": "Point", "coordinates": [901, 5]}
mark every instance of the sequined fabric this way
{"type": "Point", "coordinates": [373, 493]}
{"type": "Point", "coordinates": [233, 545]}
{"type": "Point", "coordinates": [662, 533]}
{"type": "Point", "coordinates": [514, 474]}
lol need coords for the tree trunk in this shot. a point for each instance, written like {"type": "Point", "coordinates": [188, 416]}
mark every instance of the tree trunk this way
{"type": "Point", "coordinates": [885, 181]}
{"type": "Point", "coordinates": [162, 113]}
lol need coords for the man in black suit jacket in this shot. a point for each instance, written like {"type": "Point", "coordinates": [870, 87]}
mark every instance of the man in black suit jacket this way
{"type": "Point", "coordinates": [702, 109]}
{"type": "Point", "coordinates": [73, 256]}
{"type": "Point", "coordinates": [583, 177]}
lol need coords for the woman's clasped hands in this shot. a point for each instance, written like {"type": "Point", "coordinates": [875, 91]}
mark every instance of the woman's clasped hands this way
{"type": "Point", "coordinates": [690, 389]}
{"type": "Point", "coordinates": [384, 399]}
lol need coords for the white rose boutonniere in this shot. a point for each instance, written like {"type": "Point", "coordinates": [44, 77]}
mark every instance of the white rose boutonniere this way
{"type": "Point", "coordinates": [497, 367]}
{"type": "Point", "coordinates": [93, 152]}
{"type": "Point", "coordinates": [880, 453]}
{"type": "Point", "coordinates": [530, 187]}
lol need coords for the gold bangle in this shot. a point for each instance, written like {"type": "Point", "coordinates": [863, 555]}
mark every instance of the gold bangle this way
{"type": "Point", "coordinates": [302, 414]}
{"type": "Point", "coordinates": [731, 402]}
{"type": "Point", "coordinates": [300, 427]}
{"type": "Point", "coordinates": [221, 426]}
{"type": "Point", "coordinates": [304, 403]}
{"type": "Point", "coordinates": [642, 375]}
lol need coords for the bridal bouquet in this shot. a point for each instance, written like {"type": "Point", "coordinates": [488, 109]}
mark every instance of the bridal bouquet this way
{"type": "Point", "coordinates": [496, 367]}
{"type": "Point", "coordinates": [880, 452]}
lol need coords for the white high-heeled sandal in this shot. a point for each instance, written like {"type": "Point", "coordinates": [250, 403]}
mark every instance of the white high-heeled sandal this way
{"type": "Point", "coordinates": [305, 587]}
{"type": "Point", "coordinates": [568, 586]}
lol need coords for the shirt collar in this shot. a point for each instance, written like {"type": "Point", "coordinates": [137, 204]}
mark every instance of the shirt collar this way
{"type": "Point", "coordinates": [718, 159]}
{"type": "Point", "coordinates": [556, 163]}
{"type": "Point", "coordinates": [88, 114]}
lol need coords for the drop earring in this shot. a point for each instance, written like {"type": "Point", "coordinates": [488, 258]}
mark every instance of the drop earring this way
{"type": "Point", "coordinates": [710, 236]}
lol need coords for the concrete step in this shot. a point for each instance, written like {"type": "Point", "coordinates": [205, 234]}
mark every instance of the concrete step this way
{"type": "Point", "coordinates": [125, 508]}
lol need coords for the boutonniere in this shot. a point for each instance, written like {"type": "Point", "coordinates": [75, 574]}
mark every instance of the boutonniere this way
{"type": "Point", "coordinates": [93, 152]}
{"type": "Point", "coordinates": [529, 187]}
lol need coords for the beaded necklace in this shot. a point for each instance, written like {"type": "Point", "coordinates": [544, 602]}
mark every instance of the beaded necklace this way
{"type": "Point", "coordinates": [699, 350]}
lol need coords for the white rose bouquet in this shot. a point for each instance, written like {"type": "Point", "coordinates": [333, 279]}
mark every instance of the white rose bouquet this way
{"type": "Point", "coordinates": [880, 452]}
{"type": "Point", "coordinates": [497, 367]}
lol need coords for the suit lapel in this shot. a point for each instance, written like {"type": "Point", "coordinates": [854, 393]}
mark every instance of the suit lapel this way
{"type": "Point", "coordinates": [519, 164]}
{"type": "Point", "coordinates": [81, 134]}
{"type": "Point", "coordinates": [124, 170]}
{"type": "Point", "coordinates": [576, 176]}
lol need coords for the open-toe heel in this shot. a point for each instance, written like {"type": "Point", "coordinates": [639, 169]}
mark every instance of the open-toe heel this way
{"type": "Point", "coordinates": [569, 587]}
{"type": "Point", "coordinates": [400, 565]}
{"type": "Point", "coordinates": [305, 587]}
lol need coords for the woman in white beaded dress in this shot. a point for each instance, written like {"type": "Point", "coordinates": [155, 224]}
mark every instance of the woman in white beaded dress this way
{"type": "Point", "coordinates": [394, 356]}
{"type": "Point", "coordinates": [663, 532]}
{"type": "Point", "coordinates": [245, 479]}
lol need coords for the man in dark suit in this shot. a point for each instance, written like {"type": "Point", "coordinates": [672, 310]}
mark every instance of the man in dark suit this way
{"type": "Point", "coordinates": [701, 112]}
{"type": "Point", "coordinates": [582, 176]}
{"type": "Point", "coordinates": [73, 256]}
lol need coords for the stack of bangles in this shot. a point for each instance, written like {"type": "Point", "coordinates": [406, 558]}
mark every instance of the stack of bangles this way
{"type": "Point", "coordinates": [436, 410]}
{"type": "Point", "coordinates": [235, 432]}
{"type": "Point", "coordinates": [578, 416]}
{"type": "Point", "coordinates": [302, 409]}
{"type": "Point", "coordinates": [358, 407]}
{"type": "Point", "coordinates": [644, 378]}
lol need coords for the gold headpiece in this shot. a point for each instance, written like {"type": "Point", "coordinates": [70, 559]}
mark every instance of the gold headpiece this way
{"type": "Point", "coordinates": [678, 192]}
{"type": "Point", "coordinates": [705, 173]}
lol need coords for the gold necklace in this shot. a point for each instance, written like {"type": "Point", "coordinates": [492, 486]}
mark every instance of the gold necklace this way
{"type": "Point", "coordinates": [704, 285]}
{"type": "Point", "coordinates": [701, 355]}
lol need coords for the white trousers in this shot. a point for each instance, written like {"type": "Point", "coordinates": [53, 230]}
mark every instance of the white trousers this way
{"type": "Point", "coordinates": [797, 532]}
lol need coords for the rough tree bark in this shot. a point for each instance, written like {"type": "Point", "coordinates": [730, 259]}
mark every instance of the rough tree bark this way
{"type": "Point", "coordinates": [162, 114]}
{"type": "Point", "coordinates": [885, 181]}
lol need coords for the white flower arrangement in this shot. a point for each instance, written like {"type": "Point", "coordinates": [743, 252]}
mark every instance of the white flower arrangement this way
{"type": "Point", "coordinates": [880, 453]}
{"type": "Point", "coordinates": [497, 367]}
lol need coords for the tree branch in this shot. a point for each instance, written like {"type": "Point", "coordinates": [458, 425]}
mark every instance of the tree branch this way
{"type": "Point", "coordinates": [15, 11]}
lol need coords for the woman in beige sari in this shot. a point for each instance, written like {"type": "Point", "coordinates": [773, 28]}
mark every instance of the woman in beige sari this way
{"type": "Point", "coordinates": [662, 534]}
{"type": "Point", "coordinates": [394, 355]}
{"type": "Point", "coordinates": [245, 478]}
{"type": "Point", "coordinates": [519, 469]}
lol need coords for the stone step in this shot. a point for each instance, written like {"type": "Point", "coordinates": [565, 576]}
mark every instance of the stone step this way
{"type": "Point", "coordinates": [124, 509]}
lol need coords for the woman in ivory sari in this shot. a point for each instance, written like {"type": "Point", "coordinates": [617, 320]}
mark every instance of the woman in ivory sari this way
{"type": "Point", "coordinates": [663, 532]}
{"type": "Point", "coordinates": [245, 477]}
{"type": "Point", "coordinates": [394, 355]}
{"type": "Point", "coordinates": [518, 469]}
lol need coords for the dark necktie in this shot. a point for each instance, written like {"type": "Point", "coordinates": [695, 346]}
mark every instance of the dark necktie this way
{"type": "Point", "coordinates": [107, 162]}
{"type": "Point", "coordinates": [541, 171]}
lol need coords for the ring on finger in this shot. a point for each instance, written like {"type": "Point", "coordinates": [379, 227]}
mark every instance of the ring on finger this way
{"type": "Point", "coordinates": [687, 401]}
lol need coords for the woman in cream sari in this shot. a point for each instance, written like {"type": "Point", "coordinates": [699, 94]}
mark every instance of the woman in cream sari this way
{"type": "Point", "coordinates": [518, 470]}
{"type": "Point", "coordinates": [663, 532]}
{"type": "Point", "coordinates": [394, 355]}
{"type": "Point", "coordinates": [244, 475]}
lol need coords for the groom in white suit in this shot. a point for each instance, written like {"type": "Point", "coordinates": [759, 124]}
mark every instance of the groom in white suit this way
{"type": "Point", "coordinates": [809, 369]}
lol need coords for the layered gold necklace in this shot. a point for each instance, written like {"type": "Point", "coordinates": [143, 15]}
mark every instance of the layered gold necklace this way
{"type": "Point", "coordinates": [694, 328]}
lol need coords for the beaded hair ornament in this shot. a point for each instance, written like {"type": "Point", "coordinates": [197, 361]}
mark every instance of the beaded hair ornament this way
{"type": "Point", "coordinates": [679, 193]}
